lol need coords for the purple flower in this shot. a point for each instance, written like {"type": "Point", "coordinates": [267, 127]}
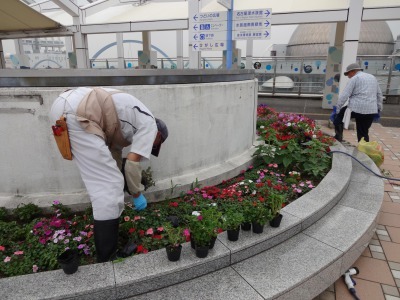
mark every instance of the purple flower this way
{"type": "Point", "coordinates": [81, 246]}
{"type": "Point", "coordinates": [56, 202]}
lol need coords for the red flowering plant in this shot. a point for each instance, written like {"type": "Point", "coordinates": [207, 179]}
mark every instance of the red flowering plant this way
{"type": "Point", "coordinates": [291, 140]}
{"type": "Point", "coordinates": [291, 158]}
{"type": "Point", "coordinates": [256, 211]}
{"type": "Point", "coordinates": [204, 225]}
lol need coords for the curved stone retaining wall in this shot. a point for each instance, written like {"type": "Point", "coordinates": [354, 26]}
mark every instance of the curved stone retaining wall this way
{"type": "Point", "coordinates": [211, 123]}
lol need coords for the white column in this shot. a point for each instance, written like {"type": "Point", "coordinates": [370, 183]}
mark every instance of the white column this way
{"type": "Point", "coordinates": [120, 50]}
{"type": "Point", "coordinates": [68, 44]}
{"type": "Point", "coordinates": [146, 41]}
{"type": "Point", "coordinates": [2, 60]}
{"type": "Point", "coordinates": [333, 65]}
{"type": "Point", "coordinates": [144, 59]}
{"type": "Point", "coordinates": [81, 50]}
{"type": "Point", "coordinates": [80, 45]}
{"type": "Point", "coordinates": [194, 56]}
{"type": "Point", "coordinates": [179, 49]}
{"type": "Point", "coordinates": [19, 48]}
{"type": "Point", "coordinates": [351, 38]}
{"type": "Point", "coordinates": [249, 54]}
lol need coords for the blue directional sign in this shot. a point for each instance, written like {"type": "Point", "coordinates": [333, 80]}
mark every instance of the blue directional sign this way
{"type": "Point", "coordinates": [210, 26]}
{"type": "Point", "coordinates": [251, 35]}
{"type": "Point", "coordinates": [252, 14]}
{"type": "Point", "coordinates": [210, 17]}
{"type": "Point", "coordinates": [248, 25]}
{"type": "Point", "coordinates": [252, 24]}
{"type": "Point", "coordinates": [208, 36]}
{"type": "Point", "coordinates": [209, 46]}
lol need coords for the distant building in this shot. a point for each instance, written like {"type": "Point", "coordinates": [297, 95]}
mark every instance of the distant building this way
{"type": "Point", "coordinates": [376, 38]}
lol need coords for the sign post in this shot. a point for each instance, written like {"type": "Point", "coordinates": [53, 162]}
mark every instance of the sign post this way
{"type": "Point", "coordinates": [229, 36]}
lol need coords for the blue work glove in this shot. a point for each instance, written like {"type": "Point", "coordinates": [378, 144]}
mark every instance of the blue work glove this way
{"type": "Point", "coordinates": [140, 202]}
{"type": "Point", "coordinates": [377, 117]}
{"type": "Point", "coordinates": [333, 114]}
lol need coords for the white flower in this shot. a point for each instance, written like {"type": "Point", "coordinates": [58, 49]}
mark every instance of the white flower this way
{"type": "Point", "coordinates": [195, 213]}
{"type": "Point", "coordinates": [289, 124]}
{"type": "Point", "coordinates": [314, 136]}
{"type": "Point", "coordinates": [262, 127]}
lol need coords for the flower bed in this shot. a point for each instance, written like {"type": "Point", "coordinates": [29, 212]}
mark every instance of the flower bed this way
{"type": "Point", "coordinates": [290, 162]}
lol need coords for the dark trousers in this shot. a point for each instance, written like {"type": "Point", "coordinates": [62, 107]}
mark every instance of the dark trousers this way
{"type": "Point", "coordinates": [363, 123]}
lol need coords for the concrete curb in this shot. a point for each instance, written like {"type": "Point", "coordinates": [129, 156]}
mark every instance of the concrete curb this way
{"type": "Point", "coordinates": [145, 273]}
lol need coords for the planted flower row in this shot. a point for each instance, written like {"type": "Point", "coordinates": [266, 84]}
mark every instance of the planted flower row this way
{"type": "Point", "coordinates": [289, 162]}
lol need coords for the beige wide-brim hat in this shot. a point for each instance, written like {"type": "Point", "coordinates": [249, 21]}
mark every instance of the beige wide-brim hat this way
{"type": "Point", "coordinates": [352, 67]}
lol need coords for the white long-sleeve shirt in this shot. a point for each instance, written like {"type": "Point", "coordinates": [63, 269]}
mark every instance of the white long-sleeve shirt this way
{"type": "Point", "coordinates": [364, 94]}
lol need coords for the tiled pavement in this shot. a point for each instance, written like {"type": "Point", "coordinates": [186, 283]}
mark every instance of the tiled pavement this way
{"type": "Point", "coordinates": [379, 265]}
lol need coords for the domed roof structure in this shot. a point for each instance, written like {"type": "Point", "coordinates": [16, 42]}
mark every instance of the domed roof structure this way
{"type": "Point", "coordinates": [313, 39]}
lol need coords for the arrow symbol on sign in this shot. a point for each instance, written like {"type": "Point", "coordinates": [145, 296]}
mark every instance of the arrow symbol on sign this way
{"type": "Point", "coordinates": [195, 37]}
{"type": "Point", "coordinates": [267, 13]}
{"type": "Point", "coordinates": [195, 46]}
{"type": "Point", "coordinates": [266, 33]}
{"type": "Point", "coordinates": [267, 23]}
{"type": "Point", "coordinates": [195, 27]}
{"type": "Point", "coordinates": [195, 17]}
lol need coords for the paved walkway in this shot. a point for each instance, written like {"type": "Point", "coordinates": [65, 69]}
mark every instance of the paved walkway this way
{"type": "Point", "coordinates": [379, 265]}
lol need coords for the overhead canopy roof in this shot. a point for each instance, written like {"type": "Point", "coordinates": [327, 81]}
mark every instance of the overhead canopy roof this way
{"type": "Point", "coordinates": [16, 16]}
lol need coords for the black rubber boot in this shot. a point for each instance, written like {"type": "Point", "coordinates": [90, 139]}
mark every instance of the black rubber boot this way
{"type": "Point", "coordinates": [339, 132]}
{"type": "Point", "coordinates": [106, 239]}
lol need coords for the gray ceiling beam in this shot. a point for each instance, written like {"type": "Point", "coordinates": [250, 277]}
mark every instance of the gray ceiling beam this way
{"type": "Point", "coordinates": [68, 6]}
{"type": "Point", "coordinates": [95, 7]}
{"type": "Point", "coordinates": [160, 25]}
{"type": "Point", "coordinates": [309, 17]}
{"type": "Point", "coordinates": [381, 14]}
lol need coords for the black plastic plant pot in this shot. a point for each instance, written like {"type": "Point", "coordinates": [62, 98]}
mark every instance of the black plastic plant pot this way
{"type": "Point", "coordinates": [246, 226]}
{"type": "Point", "coordinates": [192, 242]}
{"type": "Point", "coordinates": [233, 234]}
{"type": "Point", "coordinates": [69, 261]}
{"type": "Point", "coordinates": [212, 242]}
{"type": "Point", "coordinates": [202, 251]}
{"type": "Point", "coordinates": [276, 221]}
{"type": "Point", "coordinates": [257, 228]}
{"type": "Point", "coordinates": [173, 253]}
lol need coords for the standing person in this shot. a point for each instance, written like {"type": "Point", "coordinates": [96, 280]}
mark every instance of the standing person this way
{"type": "Point", "coordinates": [365, 101]}
{"type": "Point", "coordinates": [101, 122]}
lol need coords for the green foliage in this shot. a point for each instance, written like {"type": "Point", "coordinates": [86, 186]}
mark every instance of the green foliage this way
{"type": "Point", "coordinates": [317, 161]}
{"type": "Point", "coordinates": [232, 217]}
{"type": "Point", "coordinates": [147, 178]}
{"type": "Point", "coordinates": [259, 212]}
{"type": "Point", "coordinates": [174, 235]}
{"type": "Point", "coordinates": [204, 226]}
{"type": "Point", "coordinates": [3, 214]}
{"type": "Point", "coordinates": [27, 212]}
{"type": "Point", "coordinates": [275, 202]}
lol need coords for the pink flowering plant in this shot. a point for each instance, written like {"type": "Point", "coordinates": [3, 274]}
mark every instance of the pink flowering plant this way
{"type": "Point", "coordinates": [35, 246]}
{"type": "Point", "coordinates": [291, 160]}
{"type": "Point", "coordinates": [293, 141]}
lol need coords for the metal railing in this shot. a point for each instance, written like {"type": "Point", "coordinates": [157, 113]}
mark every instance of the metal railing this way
{"type": "Point", "coordinates": [297, 76]}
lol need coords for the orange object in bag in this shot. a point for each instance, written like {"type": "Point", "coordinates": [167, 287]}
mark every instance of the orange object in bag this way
{"type": "Point", "coordinates": [373, 150]}
{"type": "Point", "coordinates": [60, 132]}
